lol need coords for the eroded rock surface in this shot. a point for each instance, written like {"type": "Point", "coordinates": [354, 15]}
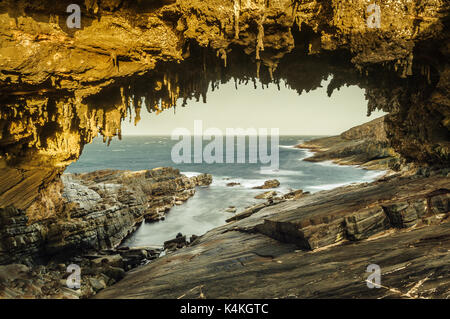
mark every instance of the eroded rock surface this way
{"type": "Point", "coordinates": [366, 145]}
{"type": "Point", "coordinates": [318, 246]}
{"type": "Point", "coordinates": [100, 209]}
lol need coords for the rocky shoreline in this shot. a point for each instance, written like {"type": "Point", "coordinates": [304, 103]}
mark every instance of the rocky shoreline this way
{"type": "Point", "coordinates": [316, 246]}
{"type": "Point", "coordinates": [99, 210]}
{"type": "Point", "coordinates": [365, 145]}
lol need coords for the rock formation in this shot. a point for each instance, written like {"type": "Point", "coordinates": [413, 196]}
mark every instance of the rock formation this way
{"type": "Point", "coordinates": [98, 210]}
{"type": "Point", "coordinates": [318, 246]}
{"type": "Point", "coordinates": [366, 145]}
{"type": "Point", "coordinates": [273, 183]}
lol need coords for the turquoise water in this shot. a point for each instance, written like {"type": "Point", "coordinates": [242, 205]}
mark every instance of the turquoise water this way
{"type": "Point", "coordinates": [206, 209]}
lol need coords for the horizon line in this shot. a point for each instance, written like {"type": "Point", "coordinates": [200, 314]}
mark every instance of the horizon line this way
{"type": "Point", "coordinates": [169, 135]}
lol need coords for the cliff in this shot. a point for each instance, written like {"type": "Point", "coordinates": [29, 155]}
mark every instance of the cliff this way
{"type": "Point", "coordinates": [96, 211]}
{"type": "Point", "coordinates": [365, 145]}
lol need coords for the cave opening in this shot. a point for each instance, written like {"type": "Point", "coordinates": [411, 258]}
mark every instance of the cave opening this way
{"type": "Point", "coordinates": [135, 72]}
{"type": "Point", "coordinates": [146, 143]}
{"type": "Point", "coordinates": [173, 87]}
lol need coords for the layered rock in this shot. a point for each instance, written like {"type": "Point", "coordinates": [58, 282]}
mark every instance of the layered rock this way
{"type": "Point", "coordinates": [366, 145]}
{"type": "Point", "coordinates": [318, 246]}
{"type": "Point", "coordinates": [100, 210]}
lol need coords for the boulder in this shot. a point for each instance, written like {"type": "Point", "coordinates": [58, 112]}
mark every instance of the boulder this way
{"type": "Point", "coordinates": [97, 284]}
{"type": "Point", "coordinates": [13, 271]}
{"type": "Point", "coordinates": [178, 242]}
{"type": "Point", "coordinates": [266, 195]}
{"type": "Point", "coordinates": [115, 273]}
{"type": "Point", "coordinates": [233, 184]}
{"type": "Point", "coordinates": [440, 203]}
{"type": "Point", "coordinates": [111, 260]}
{"type": "Point", "coordinates": [294, 194]}
{"type": "Point", "coordinates": [273, 183]}
{"type": "Point", "coordinates": [192, 239]}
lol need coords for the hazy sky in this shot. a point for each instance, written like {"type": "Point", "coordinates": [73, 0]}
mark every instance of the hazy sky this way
{"type": "Point", "coordinates": [312, 113]}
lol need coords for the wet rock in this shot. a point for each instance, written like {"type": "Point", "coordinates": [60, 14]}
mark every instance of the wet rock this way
{"type": "Point", "coordinates": [273, 183]}
{"type": "Point", "coordinates": [266, 195]}
{"type": "Point", "coordinates": [231, 209]}
{"type": "Point", "coordinates": [202, 179]}
{"type": "Point", "coordinates": [247, 212]}
{"type": "Point", "coordinates": [232, 184]}
{"type": "Point", "coordinates": [176, 243]}
{"type": "Point", "coordinates": [319, 246]}
{"type": "Point", "coordinates": [294, 194]}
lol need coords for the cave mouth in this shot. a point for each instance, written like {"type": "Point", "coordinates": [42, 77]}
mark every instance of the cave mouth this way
{"type": "Point", "coordinates": [231, 105]}
{"type": "Point", "coordinates": [63, 122]}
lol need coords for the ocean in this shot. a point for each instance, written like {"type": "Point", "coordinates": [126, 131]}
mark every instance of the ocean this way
{"type": "Point", "coordinates": [207, 208]}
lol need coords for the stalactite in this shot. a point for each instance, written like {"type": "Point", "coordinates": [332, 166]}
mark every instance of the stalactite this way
{"type": "Point", "coordinates": [237, 12]}
{"type": "Point", "coordinates": [271, 69]}
{"type": "Point", "coordinates": [222, 53]}
{"type": "Point", "coordinates": [258, 66]}
{"type": "Point", "coordinates": [260, 37]}
{"type": "Point", "coordinates": [137, 118]}
{"type": "Point", "coordinates": [426, 72]}
{"type": "Point", "coordinates": [409, 62]}
{"type": "Point", "coordinates": [114, 60]}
